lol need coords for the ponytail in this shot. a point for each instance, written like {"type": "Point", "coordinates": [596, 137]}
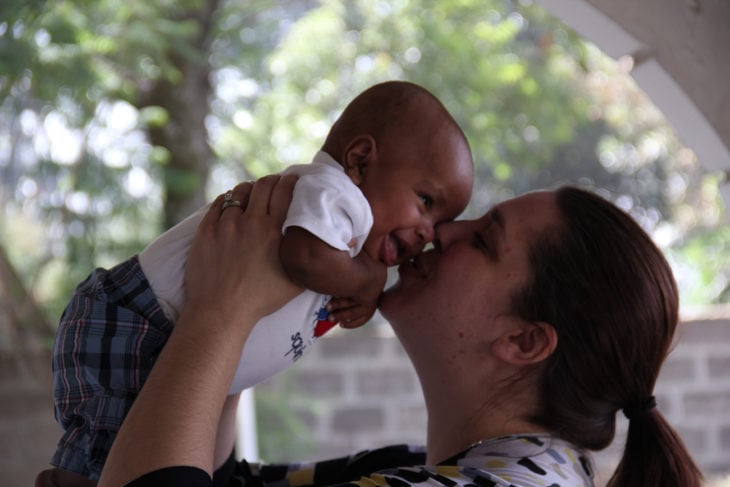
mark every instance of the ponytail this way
{"type": "Point", "coordinates": [654, 455]}
{"type": "Point", "coordinates": [608, 291]}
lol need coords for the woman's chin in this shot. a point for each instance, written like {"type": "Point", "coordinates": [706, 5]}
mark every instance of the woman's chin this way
{"type": "Point", "coordinates": [386, 300]}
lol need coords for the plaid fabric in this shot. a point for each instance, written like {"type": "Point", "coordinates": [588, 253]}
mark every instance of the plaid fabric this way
{"type": "Point", "coordinates": [107, 341]}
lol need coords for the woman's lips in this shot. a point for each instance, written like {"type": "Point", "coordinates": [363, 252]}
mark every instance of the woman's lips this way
{"type": "Point", "coordinates": [412, 267]}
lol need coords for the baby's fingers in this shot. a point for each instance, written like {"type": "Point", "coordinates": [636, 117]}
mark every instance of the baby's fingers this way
{"type": "Point", "coordinates": [355, 322]}
{"type": "Point", "coordinates": [348, 313]}
{"type": "Point", "coordinates": [340, 304]}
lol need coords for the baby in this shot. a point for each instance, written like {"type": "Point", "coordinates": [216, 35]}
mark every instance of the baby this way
{"type": "Point", "coordinates": [392, 166]}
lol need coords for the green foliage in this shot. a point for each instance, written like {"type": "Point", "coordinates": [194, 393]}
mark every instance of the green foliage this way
{"type": "Point", "coordinates": [154, 116]}
{"type": "Point", "coordinates": [536, 102]}
{"type": "Point", "coordinates": [281, 413]}
{"type": "Point", "coordinates": [704, 260]}
{"type": "Point", "coordinates": [516, 80]}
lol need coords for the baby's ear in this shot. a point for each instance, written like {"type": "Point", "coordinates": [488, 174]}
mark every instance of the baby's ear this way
{"type": "Point", "coordinates": [524, 342]}
{"type": "Point", "coordinates": [360, 153]}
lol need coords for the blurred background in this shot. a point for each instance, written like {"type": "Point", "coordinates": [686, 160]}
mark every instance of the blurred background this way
{"type": "Point", "coordinates": [118, 119]}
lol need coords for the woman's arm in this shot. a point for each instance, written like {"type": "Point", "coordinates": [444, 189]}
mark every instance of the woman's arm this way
{"type": "Point", "coordinates": [175, 418]}
{"type": "Point", "coordinates": [226, 436]}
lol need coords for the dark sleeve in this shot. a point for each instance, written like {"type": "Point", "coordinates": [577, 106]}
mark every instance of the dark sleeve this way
{"type": "Point", "coordinates": [174, 477]}
{"type": "Point", "coordinates": [331, 472]}
{"type": "Point", "coordinates": [190, 476]}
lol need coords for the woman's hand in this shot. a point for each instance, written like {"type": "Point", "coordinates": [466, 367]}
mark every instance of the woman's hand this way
{"type": "Point", "coordinates": [233, 265]}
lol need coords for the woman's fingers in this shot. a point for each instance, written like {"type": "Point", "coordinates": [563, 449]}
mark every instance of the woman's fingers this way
{"type": "Point", "coordinates": [235, 201]}
{"type": "Point", "coordinates": [242, 192]}
{"type": "Point", "coordinates": [258, 204]}
{"type": "Point", "coordinates": [271, 195]}
{"type": "Point", "coordinates": [213, 213]}
{"type": "Point", "coordinates": [281, 197]}
{"type": "Point", "coordinates": [235, 254]}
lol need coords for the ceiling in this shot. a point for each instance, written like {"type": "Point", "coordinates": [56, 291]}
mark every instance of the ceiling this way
{"type": "Point", "coordinates": [680, 51]}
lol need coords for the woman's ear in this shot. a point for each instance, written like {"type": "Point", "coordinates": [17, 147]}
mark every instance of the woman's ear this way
{"type": "Point", "coordinates": [525, 342]}
{"type": "Point", "coordinates": [360, 153]}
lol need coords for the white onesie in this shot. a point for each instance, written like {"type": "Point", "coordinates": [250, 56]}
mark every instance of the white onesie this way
{"type": "Point", "coordinates": [326, 203]}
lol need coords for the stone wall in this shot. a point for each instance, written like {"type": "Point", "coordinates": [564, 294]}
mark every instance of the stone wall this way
{"type": "Point", "coordinates": [356, 390]}
{"type": "Point", "coordinates": [28, 432]}
{"type": "Point", "coordinates": [694, 391]}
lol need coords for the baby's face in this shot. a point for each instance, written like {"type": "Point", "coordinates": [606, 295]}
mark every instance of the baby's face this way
{"type": "Point", "coordinates": [412, 190]}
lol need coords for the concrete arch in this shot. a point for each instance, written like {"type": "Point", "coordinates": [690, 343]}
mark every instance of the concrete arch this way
{"type": "Point", "coordinates": [680, 51]}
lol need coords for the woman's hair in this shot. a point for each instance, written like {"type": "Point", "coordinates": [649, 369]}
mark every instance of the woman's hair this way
{"type": "Point", "coordinates": [604, 286]}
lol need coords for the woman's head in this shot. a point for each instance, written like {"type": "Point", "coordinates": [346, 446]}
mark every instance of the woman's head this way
{"type": "Point", "coordinates": [611, 296]}
{"type": "Point", "coordinates": [597, 293]}
{"type": "Point", "coordinates": [609, 293]}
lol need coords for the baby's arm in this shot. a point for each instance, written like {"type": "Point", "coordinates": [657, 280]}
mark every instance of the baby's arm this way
{"type": "Point", "coordinates": [312, 263]}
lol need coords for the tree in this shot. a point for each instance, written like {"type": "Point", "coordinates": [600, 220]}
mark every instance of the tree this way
{"type": "Point", "coordinates": [115, 114]}
{"type": "Point", "coordinates": [103, 108]}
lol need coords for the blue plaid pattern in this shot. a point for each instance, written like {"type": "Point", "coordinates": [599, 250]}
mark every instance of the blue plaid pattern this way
{"type": "Point", "coordinates": [107, 341]}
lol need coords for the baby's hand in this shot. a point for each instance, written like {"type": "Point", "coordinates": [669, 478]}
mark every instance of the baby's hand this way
{"type": "Point", "coordinates": [355, 311]}
{"type": "Point", "coordinates": [349, 313]}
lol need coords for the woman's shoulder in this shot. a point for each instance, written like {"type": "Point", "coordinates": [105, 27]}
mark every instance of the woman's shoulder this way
{"type": "Point", "coordinates": [525, 460]}
{"type": "Point", "coordinates": [511, 461]}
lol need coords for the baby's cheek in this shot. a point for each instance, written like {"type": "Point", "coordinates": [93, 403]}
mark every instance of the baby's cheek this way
{"type": "Point", "coordinates": [370, 247]}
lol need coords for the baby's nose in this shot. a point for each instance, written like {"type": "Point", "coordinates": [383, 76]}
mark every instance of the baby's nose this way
{"type": "Point", "coordinates": [426, 233]}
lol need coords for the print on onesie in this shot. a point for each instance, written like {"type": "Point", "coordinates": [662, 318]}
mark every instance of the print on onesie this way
{"type": "Point", "coordinates": [320, 326]}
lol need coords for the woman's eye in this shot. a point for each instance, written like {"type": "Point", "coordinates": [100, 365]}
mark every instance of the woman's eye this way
{"type": "Point", "coordinates": [427, 201]}
{"type": "Point", "coordinates": [481, 244]}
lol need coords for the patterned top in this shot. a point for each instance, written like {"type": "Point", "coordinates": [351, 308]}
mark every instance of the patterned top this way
{"type": "Point", "coordinates": [510, 461]}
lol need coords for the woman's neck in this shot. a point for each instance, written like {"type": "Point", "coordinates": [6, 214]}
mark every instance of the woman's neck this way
{"type": "Point", "coordinates": [456, 420]}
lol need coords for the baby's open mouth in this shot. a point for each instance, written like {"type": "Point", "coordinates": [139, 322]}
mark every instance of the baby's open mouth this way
{"type": "Point", "coordinates": [395, 251]}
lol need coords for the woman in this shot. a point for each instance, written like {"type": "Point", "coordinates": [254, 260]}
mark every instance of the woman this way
{"type": "Point", "coordinates": [529, 329]}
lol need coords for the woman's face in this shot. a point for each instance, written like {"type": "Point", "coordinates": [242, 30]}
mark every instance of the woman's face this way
{"type": "Point", "coordinates": [448, 301]}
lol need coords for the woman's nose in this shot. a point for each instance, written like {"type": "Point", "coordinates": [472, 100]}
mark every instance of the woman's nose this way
{"type": "Point", "coordinates": [449, 232]}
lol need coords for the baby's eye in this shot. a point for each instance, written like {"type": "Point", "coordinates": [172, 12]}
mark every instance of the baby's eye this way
{"type": "Point", "coordinates": [427, 200]}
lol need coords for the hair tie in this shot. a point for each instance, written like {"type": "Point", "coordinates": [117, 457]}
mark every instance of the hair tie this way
{"type": "Point", "coordinates": [640, 408]}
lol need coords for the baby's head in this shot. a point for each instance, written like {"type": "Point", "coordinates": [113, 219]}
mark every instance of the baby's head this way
{"type": "Point", "coordinates": [411, 160]}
